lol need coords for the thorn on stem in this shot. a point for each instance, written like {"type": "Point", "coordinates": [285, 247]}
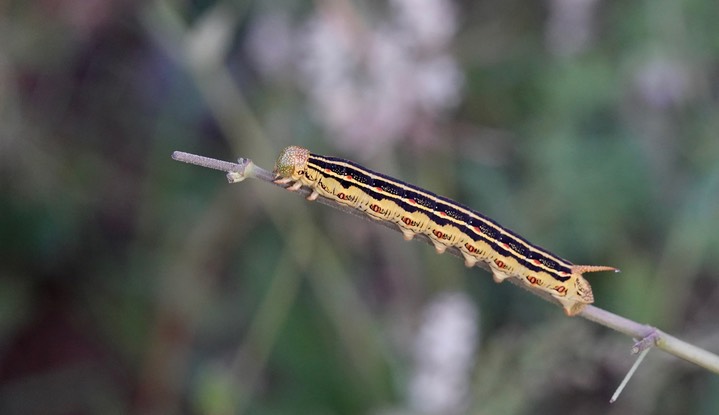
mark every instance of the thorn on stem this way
{"type": "Point", "coordinates": [629, 375]}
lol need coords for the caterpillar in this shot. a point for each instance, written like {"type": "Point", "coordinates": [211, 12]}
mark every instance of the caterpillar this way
{"type": "Point", "coordinates": [446, 223]}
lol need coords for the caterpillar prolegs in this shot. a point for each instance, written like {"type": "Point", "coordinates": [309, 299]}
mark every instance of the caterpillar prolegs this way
{"type": "Point", "coordinates": [446, 223]}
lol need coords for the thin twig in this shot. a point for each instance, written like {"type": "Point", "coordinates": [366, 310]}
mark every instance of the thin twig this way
{"type": "Point", "coordinates": [647, 336]}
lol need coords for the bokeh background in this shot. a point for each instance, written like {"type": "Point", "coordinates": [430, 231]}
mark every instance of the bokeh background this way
{"type": "Point", "coordinates": [130, 283]}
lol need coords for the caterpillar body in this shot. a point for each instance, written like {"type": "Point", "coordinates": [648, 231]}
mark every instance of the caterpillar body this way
{"type": "Point", "coordinates": [446, 223]}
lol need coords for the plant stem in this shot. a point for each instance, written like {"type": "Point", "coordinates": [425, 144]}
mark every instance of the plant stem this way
{"type": "Point", "coordinates": [645, 335]}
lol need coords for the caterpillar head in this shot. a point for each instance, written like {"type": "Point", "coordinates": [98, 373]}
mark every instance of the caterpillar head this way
{"type": "Point", "coordinates": [581, 295]}
{"type": "Point", "coordinates": [291, 162]}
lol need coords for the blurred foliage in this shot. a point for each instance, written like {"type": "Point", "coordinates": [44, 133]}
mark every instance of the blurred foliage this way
{"type": "Point", "coordinates": [134, 284]}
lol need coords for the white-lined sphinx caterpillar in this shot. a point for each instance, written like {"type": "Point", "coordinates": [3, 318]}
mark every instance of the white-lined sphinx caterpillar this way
{"type": "Point", "coordinates": [446, 223]}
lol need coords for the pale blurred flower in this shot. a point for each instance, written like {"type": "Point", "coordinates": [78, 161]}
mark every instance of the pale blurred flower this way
{"type": "Point", "coordinates": [269, 43]}
{"type": "Point", "coordinates": [431, 23]}
{"type": "Point", "coordinates": [444, 356]}
{"type": "Point", "coordinates": [369, 87]}
{"type": "Point", "coordinates": [570, 27]}
{"type": "Point", "coordinates": [355, 101]}
{"type": "Point", "coordinates": [663, 82]}
{"type": "Point", "coordinates": [438, 80]}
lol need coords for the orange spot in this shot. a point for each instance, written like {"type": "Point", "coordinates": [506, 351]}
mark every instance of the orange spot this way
{"type": "Point", "coordinates": [499, 263]}
{"type": "Point", "coordinates": [348, 177]}
{"type": "Point", "coordinates": [411, 201]}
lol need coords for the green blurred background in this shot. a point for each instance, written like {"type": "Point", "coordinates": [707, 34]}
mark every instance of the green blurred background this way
{"type": "Point", "coordinates": [130, 283]}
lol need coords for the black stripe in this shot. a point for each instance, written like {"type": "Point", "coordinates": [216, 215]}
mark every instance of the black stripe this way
{"type": "Point", "coordinates": [389, 188]}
